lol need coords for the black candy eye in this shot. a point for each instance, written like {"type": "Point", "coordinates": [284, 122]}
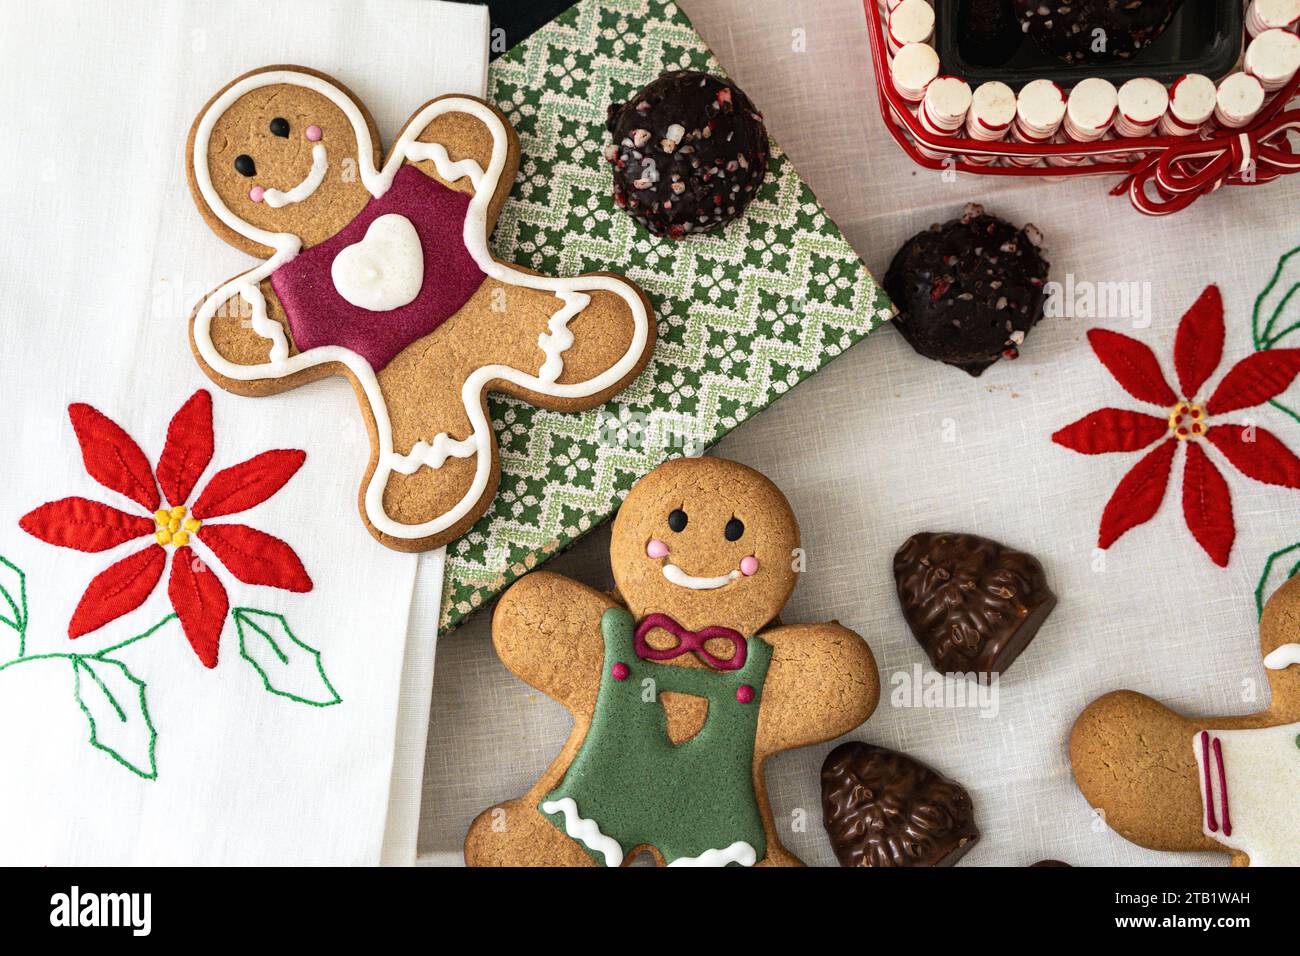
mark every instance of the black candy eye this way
{"type": "Point", "coordinates": [734, 529]}
{"type": "Point", "coordinates": [244, 165]}
{"type": "Point", "coordinates": [677, 519]}
{"type": "Point", "coordinates": [280, 127]}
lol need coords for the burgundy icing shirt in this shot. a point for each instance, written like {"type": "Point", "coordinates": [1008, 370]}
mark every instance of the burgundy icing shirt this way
{"type": "Point", "coordinates": [318, 315]}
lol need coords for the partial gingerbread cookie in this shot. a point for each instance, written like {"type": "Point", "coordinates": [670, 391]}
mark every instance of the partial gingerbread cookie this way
{"type": "Point", "coordinates": [382, 272]}
{"type": "Point", "coordinates": [969, 291]}
{"type": "Point", "coordinates": [884, 808]}
{"type": "Point", "coordinates": [680, 692]}
{"type": "Point", "coordinates": [1231, 784]}
{"type": "Point", "coordinates": [689, 153]}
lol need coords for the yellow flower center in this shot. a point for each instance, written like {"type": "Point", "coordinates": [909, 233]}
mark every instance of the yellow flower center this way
{"type": "Point", "coordinates": [174, 526]}
{"type": "Point", "coordinates": [1187, 421]}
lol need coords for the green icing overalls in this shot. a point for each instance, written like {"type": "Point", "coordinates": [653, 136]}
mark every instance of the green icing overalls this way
{"type": "Point", "coordinates": [630, 785]}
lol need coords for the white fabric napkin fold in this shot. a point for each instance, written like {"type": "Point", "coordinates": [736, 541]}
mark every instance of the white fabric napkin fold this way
{"type": "Point", "coordinates": [143, 755]}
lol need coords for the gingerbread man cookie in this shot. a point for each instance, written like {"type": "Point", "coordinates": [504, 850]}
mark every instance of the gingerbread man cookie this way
{"type": "Point", "coordinates": [1231, 784]}
{"type": "Point", "coordinates": [681, 690]}
{"type": "Point", "coordinates": [382, 273]}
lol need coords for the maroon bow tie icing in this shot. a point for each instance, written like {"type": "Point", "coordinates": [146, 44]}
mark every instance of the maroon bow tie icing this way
{"type": "Point", "coordinates": [689, 642]}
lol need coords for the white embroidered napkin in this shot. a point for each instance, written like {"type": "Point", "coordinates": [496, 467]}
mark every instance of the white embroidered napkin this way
{"type": "Point", "coordinates": [278, 726]}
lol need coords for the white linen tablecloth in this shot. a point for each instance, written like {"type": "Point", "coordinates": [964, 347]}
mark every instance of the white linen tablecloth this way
{"type": "Point", "coordinates": [103, 257]}
{"type": "Point", "coordinates": [885, 443]}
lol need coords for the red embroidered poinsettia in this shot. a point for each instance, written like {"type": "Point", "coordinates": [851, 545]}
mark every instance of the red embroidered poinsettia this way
{"type": "Point", "coordinates": [1255, 452]}
{"type": "Point", "coordinates": [197, 595]}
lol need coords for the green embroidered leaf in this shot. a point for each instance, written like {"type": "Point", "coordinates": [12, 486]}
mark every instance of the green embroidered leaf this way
{"type": "Point", "coordinates": [112, 698]}
{"type": "Point", "coordinates": [1282, 566]}
{"type": "Point", "coordinates": [1277, 308]}
{"type": "Point", "coordinates": [13, 596]}
{"type": "Point", "coordinates": [287, 666]}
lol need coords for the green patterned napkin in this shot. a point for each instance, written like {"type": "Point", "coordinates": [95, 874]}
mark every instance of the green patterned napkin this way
{"type": "Point", "coordinates": [744, 314]}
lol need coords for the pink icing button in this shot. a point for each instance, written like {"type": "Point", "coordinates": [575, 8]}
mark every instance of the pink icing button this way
{"type": "Point", "coordinates": [748, 565]}
{"type": "Point", "coordinates": [256, 193]}
{"type": "Point", "coordinates": [620, 671]}
{"type": "Point", "coordinates": [313, 133]}
{"type": "Point", "coordinates": [745, 694]}
{"type": "Point", "coordinates": [656, 549]}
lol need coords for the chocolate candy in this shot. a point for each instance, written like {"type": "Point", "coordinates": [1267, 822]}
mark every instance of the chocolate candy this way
{"type": "Point", "coordinates": [973, 604]}
{"type": "Point", "coordinates": [689, 153]}
{"type": "Point", "coordinates": [1095, 31]}
{"type": "Point", "coordinates": [882, 808]}
{"type": "Point", "coordinates": [988, 32]}
{"type": "Point", "coordinates": [969, 291]}
{"type": "Point", "coordinates": [1051, 863]}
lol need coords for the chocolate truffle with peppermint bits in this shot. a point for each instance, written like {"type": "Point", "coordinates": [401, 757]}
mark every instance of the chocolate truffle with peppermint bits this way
{"type": "Point", "coordinates": [970, 290]}
{"type": "Point", "coordinates": [1095, 31]}
{"type": "Point", "coordinates": [689, 152]}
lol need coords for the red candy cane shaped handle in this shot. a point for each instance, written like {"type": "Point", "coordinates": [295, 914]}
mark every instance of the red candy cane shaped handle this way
{"type": "Point", "coordinates": [1177, 176]}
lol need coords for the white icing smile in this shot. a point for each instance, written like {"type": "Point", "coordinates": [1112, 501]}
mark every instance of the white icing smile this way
{"type": "Point", "coordinates": [315, 176]}
{"type": "Point", "coordinates": [383, 271]}
{"type": "Point", "coordinates": [679, 577]}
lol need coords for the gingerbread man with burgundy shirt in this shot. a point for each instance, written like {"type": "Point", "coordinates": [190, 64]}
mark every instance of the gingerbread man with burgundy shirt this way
{"type": "Point", "coordinates": [381, 272]}
{"type": "Point", "coordinates": [1230, 784]}
{"type": "Point", "coordinates": [680, 687]}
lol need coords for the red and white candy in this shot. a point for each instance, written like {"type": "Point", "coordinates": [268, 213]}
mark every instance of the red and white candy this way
{"type": "Point", "coordinates": [1040, 109]}
{"type": "Point", "coordinates": [913, 68]}
{"type": "Point", "coordinates": [911, 21]}
{"type": "Point", "coordinates": [1272, 15]}
{"type": "Point", "coordinates": [1273, 58]}
{"type": "Point", "coordinates": [1192, 100]}
{"type": "Point", "coordinates": [1240, 99]}
{"type": "Point", "coordinates": [1091, 109]}
{"type": "Point", "coordinates": [1142, 101]}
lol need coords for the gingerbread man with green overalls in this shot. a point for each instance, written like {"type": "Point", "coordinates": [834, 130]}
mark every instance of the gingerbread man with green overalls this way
{"type": "Point", "coordinates": [678, 687]}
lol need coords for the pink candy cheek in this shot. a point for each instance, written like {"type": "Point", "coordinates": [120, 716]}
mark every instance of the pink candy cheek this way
{"type": "Point", "coordinates": [749, 565]}
{"type": "Point", "coordinates": [656, 549]}
{"type": "Point", "coordinates": [313, 133]}
{"type": "Point", "coordinates": [256, 193]}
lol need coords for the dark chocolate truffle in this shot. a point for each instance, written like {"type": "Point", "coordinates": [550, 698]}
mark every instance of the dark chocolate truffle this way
{"type": "Point", "coordinates": [1095, 31]}
{"type": "Point", "coordinates": [882, 808]}
{"type": "Point", "coordinates": [689, 153]}
{"type": "Point", "coordinates": [972, 604]}
{"type": "Point", "coordinates": [970, 290]}
{"type": "Point", "coordinates": [987, 32]}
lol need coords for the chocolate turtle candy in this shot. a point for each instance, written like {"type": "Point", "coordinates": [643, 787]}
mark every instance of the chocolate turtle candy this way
{"type": "Point", "coordinates": [1095, 31]}
{"type": "Point", "coordinates": [883, 808]}
{"type": "Point", "coordinates": [969, 291]}
{"type": "Point", "coordinates": [689, 152]}
{"type": "Point", "coordinates": [972, 604]}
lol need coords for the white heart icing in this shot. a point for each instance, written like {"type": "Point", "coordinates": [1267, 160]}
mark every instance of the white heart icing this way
{"type": "Point", "coordinates": [383, 271]}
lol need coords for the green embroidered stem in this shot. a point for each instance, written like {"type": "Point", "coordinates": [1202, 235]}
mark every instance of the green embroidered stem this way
{"type": "Point", "coordinates": [1264, 339]}
{"type": "Point", "coordinates": [35, 657]}
{"type": "Point", "coordinates": [17, 607]}
{"type": "Point", "coordinates": [131, 640]}
{"type": "Point", "coordinates": [1268, 568]}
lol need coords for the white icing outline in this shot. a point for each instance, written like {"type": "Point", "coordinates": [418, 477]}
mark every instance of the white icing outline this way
{"type": "Point", "coordinates": [310, 183]}
{"type": "Point", "coordinates": [589, 834]}
{"type": "Point", "coordinates": [377, 182]}
{"type": "Point", "coordinates": [394, 238]}
{"type": "Point", "coordinates": [1282, 657]}
{"type": "Point", "coordinates": [587, 831]}
{"type": "Point", "coordinates": [557, 341]}
{"type": "Point", "coordinates": [739, 852]}
{"type": "Point", "coordinates": [677, 576]}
